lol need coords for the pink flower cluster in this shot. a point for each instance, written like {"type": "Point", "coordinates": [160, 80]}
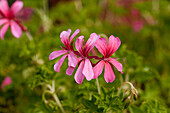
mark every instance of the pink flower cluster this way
{"type": "Point", "coordinates": [83, 60]}
{"type": "Point", "coordinates": [8, 18]}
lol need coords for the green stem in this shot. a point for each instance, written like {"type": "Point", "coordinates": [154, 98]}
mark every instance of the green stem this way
{"type": "Point", "coordinates": [56, 97]}
{"type": "Point", "coordinates": [28, 34]}
{"type": "Point", "coordinates": [98, 87]}
{"type": "Point", "coordinates": [58, 102]}
{"type": "Point", "coordinates": [51, 90]}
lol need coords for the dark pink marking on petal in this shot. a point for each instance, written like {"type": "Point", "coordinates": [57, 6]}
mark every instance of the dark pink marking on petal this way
{"type": "Point", "coordinates": [74, 34]}
{"type": "Point", "coordinates": [65, 37]}
{"type": "Point", "coordinates": [114, 44]}
{"type": "Point", "coordinates": [79, 45]}
{"type": "Point", "coordinates": [101, 45]}
{"type": "Point", "coordinates": [91, 43]}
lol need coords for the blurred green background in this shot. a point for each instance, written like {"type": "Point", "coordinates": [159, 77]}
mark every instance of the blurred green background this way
{"type": "Point", "coordinates": [142, 25]}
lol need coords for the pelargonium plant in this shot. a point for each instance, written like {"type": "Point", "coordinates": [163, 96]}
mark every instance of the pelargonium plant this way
{"type": "Point", "coordinates": [8, 18]}
{"type": "Point", "coordinates": [81, 57]}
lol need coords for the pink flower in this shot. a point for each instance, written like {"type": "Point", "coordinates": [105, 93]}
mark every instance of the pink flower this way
{"type": "Point", "coordinates": [6, 81]}
{"type": "Point", "coordinates": [107, 50]}
{"type": "Point", "coordinates": [135, 20]}
{"type": "Point", "coordinates": [67, 50]}
{"type": "Point", "coordinates": [8, 18]}
{"type": "Point", "coordinates": [85, 68]}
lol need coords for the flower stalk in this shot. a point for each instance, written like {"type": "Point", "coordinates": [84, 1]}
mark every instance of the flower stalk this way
{"type": "Point", "coordinates": [28, 34]}
{"type": "Point", "coordinates": [98, 86]}
{"type": "Point", "coordinates": [51, 90]}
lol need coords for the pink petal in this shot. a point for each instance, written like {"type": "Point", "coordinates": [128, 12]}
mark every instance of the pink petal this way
{"type": "Point", "coordinates": [79, 45]}
{"type": "Point", "coordinates": [6, 81]}
{"type": "Point", "coordinates": [98, 68]}
{"type": "Point", "coordinates": [91, 43]}
{"type": "Point", "coordinates": [109, 74]}
{"type": "Point", "coordinates": [56, 54]}
{"type": "Point", "coordinates": [101, 45]}
{"type": "Point", "coordinates": [88, 70]}
{"type": "Point", "coordinates": [3, 30]}
{"type": "Point", "coordinates": [114, 44]}
{"type": "Point", "coordinates": [116, 64]}
{"type": "Point", "coordinates": [79, 59]}
{"type": "Point", "coordinates": [16, 29]}
{"type": "Point", "coordinates": [16, 6]}
{"type": "Point", "coordinates": [74, 34]}
{"type": "Point", "coordinates": [70, 70]}
{"type": "Point", "coordinates": [65, 36]}
{"type": "Point", "coordinates": [59, 63]}
{"type": "Point", "coordinates": [4, 7]}
{"type": "Point", "coordinates": [72, 59]}
{"type": "Point", "coordinates": [79, 75]}
{"type": "Point", "coordinates": [3, 21]}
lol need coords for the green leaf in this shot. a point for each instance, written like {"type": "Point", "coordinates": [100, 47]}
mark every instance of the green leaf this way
{"type": "Point", "coordinates": [134, 109]}
{"type": "Point", "coordinates": [153, 107]}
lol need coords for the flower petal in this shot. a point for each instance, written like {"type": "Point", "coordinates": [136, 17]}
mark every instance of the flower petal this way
{"type": "Point", "coordinates": [70, 70]}
{"type": "Point", "coordinates": [65, 36]}
{"type": "Point", "coordinates": [56, 54]}
{"type": "Point", "coordinates": [4, 7]}
{"type": "Point", "coordinates": [72, 59]}
{"type": "Point", "coordinates": [3, 21]}
{"type": "Point", "coordinates": [116, 64]}
{"type": "Point", "coordinates": [74, 34]}
{"type": "Point", "coordinates": [109, 74]}
{"type": "Point", "coordinates": [91, 43]}
{"type": "Point", "coordinates": [16, 29]}
{"type": "Point", "coordinates": [79, 45]}
{"type": "Point", "coordinates": [101, 45]}
{"type": "Point", "coordinates": [79, 75]}
{"type": "Point", "coordinates": [59, 63]}
{"type": "Point", "coordinates": [88, 70]}
{"type": "Point", "coordinates": [6, 81]}
{"type": "Point", "coordinates": [3, 30]}
{"type": "Point", "coordinates": [16, 6]}
{"type": "Point", "coordinates": [98, 68]}
{"type": "Point", "coordinates": [114, 44]}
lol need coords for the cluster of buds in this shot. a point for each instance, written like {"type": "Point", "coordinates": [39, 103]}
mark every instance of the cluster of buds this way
{"type": "Point", "coordinates": [81, 57]}
{"type": "Point", "coordinates": [130, 93]}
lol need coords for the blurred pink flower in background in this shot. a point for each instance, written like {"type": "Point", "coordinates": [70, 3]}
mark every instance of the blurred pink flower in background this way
{"type": "Point", "coordinates": [6, 81]}
{"type": "Point", "coordinates": [25, 14]}
{"type": "Point", "coordinates": [107, 50]}
{"type": "Point", "coordinates": [134, 19]}
{"type": "Point", "coordinates": [67, 50]}
{"type": "Point", "coordinates": [85, 68]}
{"type": "Point", "coordinates": [8, 18]}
